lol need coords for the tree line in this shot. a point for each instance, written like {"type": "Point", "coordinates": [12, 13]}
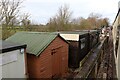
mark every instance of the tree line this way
{"type": "Point", "coordinates": [11, 20]}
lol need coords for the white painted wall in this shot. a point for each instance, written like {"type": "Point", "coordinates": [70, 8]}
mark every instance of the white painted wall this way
{"type": "Point", "coordinates": [13, 65]}
{"type": "Point", "coordinates": [114, 31]}
{"type": "Point", "coordinates": [117, 59]}
{"type": "Point", "coordinates": [118, 52]}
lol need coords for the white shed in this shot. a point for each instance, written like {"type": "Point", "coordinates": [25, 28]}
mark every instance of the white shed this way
{"type": "Point", "coordinates": [12, 60]}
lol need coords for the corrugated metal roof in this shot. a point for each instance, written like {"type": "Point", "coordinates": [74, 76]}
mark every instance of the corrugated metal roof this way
{"type": "Point", "coordinates": [36, 42]}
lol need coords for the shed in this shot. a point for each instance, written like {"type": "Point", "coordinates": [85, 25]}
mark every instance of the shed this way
{"type": "Point", "coordinates": [47, 53]}
{"type": "Point", "coordinates": [12, 60]}
{"type": "Point", "coordinates": [79, 45]}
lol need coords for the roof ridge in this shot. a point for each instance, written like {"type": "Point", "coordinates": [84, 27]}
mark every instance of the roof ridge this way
{"type": "Point", "coordinates": [33, 41]}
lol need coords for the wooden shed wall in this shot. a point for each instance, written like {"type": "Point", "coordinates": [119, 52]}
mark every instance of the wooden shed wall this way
{"type": "Point", "coordinates": [73, 54]}
{"type": "Point", "coordinates": [52, 62]}
{"type": "Point", "coordinates": [77, 53]}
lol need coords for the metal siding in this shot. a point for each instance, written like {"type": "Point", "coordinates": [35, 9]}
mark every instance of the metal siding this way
{"type": "Point", "coordinates": [14, 69]}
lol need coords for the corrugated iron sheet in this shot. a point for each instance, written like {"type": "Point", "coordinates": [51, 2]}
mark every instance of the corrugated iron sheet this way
{"type": "Point", "coordinates": [36, 42]}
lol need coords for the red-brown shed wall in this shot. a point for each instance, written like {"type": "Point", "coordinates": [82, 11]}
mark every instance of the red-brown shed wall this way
{"type": "Point", "coordinates": [53, 61]}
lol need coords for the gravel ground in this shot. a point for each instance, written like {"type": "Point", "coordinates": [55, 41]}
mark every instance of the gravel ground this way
{"type": "Point", "coordinates": [107, 68]}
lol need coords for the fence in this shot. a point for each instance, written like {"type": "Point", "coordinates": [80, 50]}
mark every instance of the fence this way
{"type": "Point", "coordinates": [90, 64]}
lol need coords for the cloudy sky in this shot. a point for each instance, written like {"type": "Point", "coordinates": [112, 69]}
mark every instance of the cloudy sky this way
{"type": "Point", "coordinates": [42, 10]}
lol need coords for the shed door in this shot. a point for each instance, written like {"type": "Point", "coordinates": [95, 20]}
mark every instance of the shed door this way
{"type": "Point", "coordinates": [56, 58]}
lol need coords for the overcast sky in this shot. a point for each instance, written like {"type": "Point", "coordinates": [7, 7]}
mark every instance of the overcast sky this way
{"type": "Point", "coordinates": [42, 10]}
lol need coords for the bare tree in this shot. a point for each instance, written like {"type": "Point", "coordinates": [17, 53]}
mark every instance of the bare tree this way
{"type": "Point", "coordinates": [62, 18]}
{"type": "Point", "coordinates": [9, 12]}
{"type": "Point", "coordinates": [9, 16]}
{"type": "Point", "coordinates": [25, 21]}
{"type": "Point", "coordinates": [64, 14]}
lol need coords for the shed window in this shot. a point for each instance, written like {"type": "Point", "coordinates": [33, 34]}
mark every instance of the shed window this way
{"type": "Point", "coordinates": [82, 43]}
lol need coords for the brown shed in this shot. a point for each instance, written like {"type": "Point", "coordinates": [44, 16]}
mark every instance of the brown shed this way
{"type": "Point", "coordinates": [47, 53]}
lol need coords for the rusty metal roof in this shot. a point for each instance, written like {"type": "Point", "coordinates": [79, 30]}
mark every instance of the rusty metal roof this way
{"type": "Point", "coordinates": [36, 41]}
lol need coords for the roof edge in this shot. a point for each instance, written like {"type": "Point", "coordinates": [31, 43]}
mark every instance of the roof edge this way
{"type": "Point", "coordinates": [63, 38]}
{"type": "Point", "coordinates": [45, 47]}
{"type": "Point", "coordinates": [13, 48]}
{"type": "Point", "coordinates": [57, 35]}
{"type": "Point", "coordinates": [116, 16]}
